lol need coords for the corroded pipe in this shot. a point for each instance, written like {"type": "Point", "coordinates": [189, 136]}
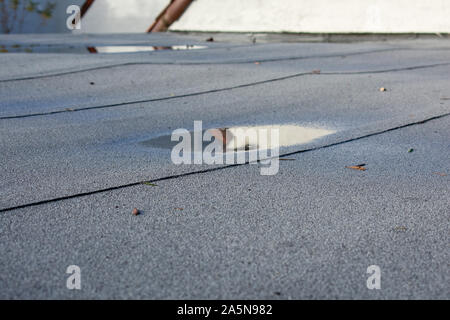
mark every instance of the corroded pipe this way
{"type": "Point", "coordinates": [86, 5]}
{"type": "Point", "coordinates": [169, 15]}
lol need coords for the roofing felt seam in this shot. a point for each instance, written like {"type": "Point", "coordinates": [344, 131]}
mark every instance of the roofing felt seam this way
{"type": "Point", "coordinates": [32, 204]}
{"type": "Point", "coordinates": [224, 89]}
{"type": "Point", "coordinates": [203, 63]}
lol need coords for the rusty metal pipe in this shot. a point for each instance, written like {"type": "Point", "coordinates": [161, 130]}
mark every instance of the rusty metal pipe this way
{"type": "Point", "coordinates": [86, 5]}
{"type": "Point", "coordinates": [169, 15]}
{"type": "Point", "coordinates": [159, 17]}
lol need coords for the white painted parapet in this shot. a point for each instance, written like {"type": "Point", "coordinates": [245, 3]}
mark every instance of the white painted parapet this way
{"type": "Point", "coordinates": [318, 16]}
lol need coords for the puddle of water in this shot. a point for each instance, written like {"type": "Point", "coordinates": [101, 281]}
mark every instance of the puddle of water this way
{"type": "Point", "coordinates": [127, 49]}
{"type": "Point", "coordinates": [98, 49]}
{"type": "Point", "coordinates": [249, 137]}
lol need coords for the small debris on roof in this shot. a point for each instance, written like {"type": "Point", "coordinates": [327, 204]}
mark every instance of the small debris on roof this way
{"type": "Point", "coordinates": [150, 184]}
{"type": "Point", "coordinates": [135, 212]}
{"type": "Point", "coordinates": [359, 167]}
{"type": "Point", "coordinates": [383, 89]}
{"type": "Point", "coordinates": [315, 72]}
{"type": "Point", "coordinates": [410, 150]}
{"type": "Point", "coordinates": [440, 174]}
{"type": "Point", "coordinates": [210, 39]}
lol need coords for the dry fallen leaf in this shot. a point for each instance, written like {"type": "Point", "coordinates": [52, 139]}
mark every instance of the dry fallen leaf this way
{"type": "Point", "coordinates": [440, 174]}
{"type": "Point", "coordinates": [315, 72]}
{"type": "Point", "coordinates": [358, 167]}
{"type": "Point", "coordinates": [149, 184]}
{"type": "Point", "coordinates": [257, 63]}
{"type": "Point", "coordinates": [135, 212]}
{"type": "Point", "coordinates": [383, 89]}
{"type": "Point", "coordinates": [180, 209]}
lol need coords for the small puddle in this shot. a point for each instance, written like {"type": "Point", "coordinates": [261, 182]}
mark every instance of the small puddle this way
{"type": "Point", "coordinates": [128, 49]}
{"type": "Point", "coordinates": [92, 50]}
{"type": "Point", "coordinates": [248, 137]}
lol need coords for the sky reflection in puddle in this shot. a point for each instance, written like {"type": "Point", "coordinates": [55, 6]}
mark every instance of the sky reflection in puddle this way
{"type": "Point", "coordinates": [93, 50]}
{"type": "Point", "coordinates": [249, 137]}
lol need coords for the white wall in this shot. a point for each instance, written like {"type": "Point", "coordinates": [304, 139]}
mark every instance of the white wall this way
{"type": "Point", "coordinates": [328, 16]}
{"type": "Point", "coordinates": [118, 16]}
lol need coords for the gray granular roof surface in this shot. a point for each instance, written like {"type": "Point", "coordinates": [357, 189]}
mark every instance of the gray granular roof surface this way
{"type": "Point", "coordinates": [72, 160]}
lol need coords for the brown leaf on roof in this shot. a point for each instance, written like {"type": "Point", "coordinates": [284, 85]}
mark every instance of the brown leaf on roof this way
{"type": "Point", "coordinates": [361, 168]}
